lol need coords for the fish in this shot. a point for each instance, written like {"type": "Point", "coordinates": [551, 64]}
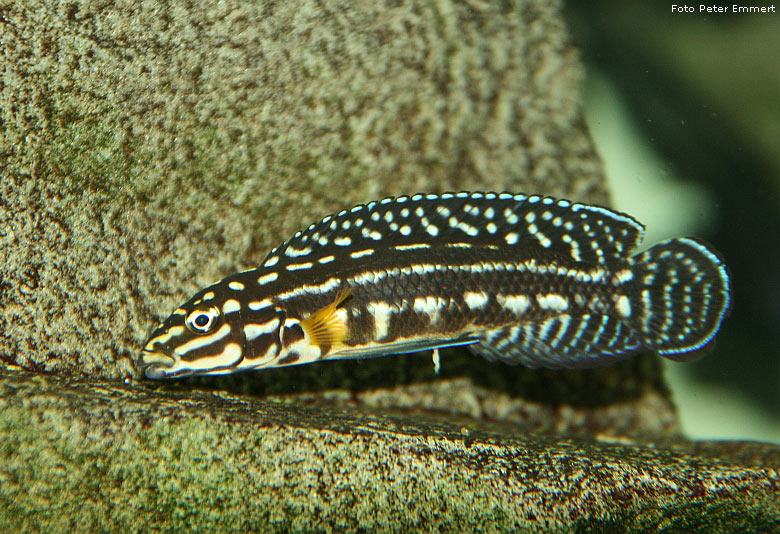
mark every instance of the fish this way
{"type": "Point", "coordinates": [522, 279]}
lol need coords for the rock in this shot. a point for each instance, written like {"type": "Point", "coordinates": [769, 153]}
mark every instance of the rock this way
{"type": "Point", "coordinates": [152, 149]}
{"type": "Point", "coordinates": [104, 456]}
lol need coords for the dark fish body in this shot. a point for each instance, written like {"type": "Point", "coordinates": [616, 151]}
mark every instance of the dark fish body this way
{"type": "Point", "coordinates": [524, 279]}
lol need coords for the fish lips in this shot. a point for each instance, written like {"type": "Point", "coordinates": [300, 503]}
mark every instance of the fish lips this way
{"type": "Point", "coordinates": [155, 365]}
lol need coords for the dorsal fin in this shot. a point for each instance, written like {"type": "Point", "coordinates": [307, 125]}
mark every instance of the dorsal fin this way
{"type": "Point", "coordinates": [590, 234]}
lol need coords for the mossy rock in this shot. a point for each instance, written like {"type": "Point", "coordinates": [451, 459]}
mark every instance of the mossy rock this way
{"type": "Point", "coordinates": [105, 456]}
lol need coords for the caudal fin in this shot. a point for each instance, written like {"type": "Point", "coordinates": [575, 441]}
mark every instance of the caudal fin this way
{"type": "Point", "coordinates": [681, 292]}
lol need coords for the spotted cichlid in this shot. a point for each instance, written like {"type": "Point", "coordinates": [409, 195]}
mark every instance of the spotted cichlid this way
{"type": "Point", "coordinates": [522, 279]}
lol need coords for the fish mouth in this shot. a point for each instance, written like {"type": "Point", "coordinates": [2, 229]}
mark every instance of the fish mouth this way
{"type": "Point", "coordinates": [156, 364]}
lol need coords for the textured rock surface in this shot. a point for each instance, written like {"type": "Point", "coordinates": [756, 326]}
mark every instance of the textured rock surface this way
{"type": "Point", "coordinates": [130, 459]}
{"type": "Point", "coordinates": [153, 148]}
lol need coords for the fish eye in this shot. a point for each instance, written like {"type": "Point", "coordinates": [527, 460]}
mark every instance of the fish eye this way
{"type": "Point", "coordinates": [202, 321]}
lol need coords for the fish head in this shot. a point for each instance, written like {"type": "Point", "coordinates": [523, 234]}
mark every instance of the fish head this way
{"type": "Point", "coordinates": [202, 336]}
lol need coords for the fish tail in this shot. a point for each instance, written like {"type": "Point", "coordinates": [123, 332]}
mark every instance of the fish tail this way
{"type": "Point", "coordinates": [681, 292]}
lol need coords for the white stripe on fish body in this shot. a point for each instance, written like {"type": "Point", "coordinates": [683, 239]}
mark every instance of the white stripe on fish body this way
{"type": "Point", "coordinates": [253, 331]}
{"type": "Point", "coordinates": [164, 338]}
{"type": "Point", "coordinates": [300, 352]}
{"type": "Point", "coordinates": [221, 363]}
{"type": "Point", "coordinates": [553, 279]}
{"type": "Point", "coordinates": [200, 342]}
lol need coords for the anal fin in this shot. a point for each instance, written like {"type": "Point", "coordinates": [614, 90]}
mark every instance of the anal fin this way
{"type": "Point", "coordinates": [581, 341]}
{"type": "Point", "coordinates": [416, 345]}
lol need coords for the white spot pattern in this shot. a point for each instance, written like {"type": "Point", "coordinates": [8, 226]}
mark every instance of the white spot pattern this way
{"type": "Point", "coordinates": [268, 278]}
{"type": "Point", "coordinates": [231, 306]}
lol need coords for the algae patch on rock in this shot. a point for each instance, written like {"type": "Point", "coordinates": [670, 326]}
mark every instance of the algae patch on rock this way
{"type": "Point", "coordinates": [128, 458]}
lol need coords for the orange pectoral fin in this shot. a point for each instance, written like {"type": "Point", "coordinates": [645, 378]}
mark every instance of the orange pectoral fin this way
{"type": "Point", "coordinates": [325, 327]}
